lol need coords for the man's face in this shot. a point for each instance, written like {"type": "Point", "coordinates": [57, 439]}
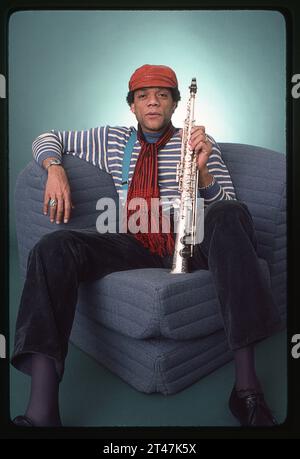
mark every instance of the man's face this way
{"type": "Point", "coordinates": [153, 108]}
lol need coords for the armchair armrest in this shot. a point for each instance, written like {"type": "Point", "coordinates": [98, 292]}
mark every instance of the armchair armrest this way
{"type": "Point", "coordinates": [88, 184]}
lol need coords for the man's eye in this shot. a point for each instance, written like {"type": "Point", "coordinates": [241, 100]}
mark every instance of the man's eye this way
{"type": "Point", "coordinates": [163, 94]}
{"type": "Point", "coordinates": [141, 96]}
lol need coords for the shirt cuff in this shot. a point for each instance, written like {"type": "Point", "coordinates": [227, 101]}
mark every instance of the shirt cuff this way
{"type": "Point", "coordinates": [47, 154]}
{"type": "Point", "coordinates": [209, 191]}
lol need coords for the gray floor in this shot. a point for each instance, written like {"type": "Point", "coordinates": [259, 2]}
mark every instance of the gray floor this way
{"type": "Point", "coordinates": [90, 395]}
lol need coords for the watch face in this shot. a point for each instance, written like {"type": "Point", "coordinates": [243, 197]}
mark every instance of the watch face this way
{"type": "Point", "coordinates": [54, 162]}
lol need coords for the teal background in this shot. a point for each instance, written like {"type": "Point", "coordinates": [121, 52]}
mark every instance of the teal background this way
{"type": "Point", "coordinates": [70, 70]}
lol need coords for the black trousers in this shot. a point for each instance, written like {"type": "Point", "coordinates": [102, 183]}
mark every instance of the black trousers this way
{"type": "Point", "coordinates": [64, 258]}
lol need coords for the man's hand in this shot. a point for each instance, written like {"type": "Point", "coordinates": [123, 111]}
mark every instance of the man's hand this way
{"type": "Point", "coordinates": [203, 148]}
{"type": "Point", "coordinates": [58, 189]}
{"type": "Point", "coordinates": [201, 145]}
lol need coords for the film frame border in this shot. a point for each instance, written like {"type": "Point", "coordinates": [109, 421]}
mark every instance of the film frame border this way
{"type": "Point", "coordinates": [291, 427]}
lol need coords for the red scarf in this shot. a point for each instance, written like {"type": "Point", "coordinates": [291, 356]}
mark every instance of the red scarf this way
{"type": "Point", "coordinates": [144, 184]}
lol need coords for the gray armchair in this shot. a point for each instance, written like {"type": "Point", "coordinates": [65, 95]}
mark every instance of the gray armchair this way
{"type": "Point", "coordinates": [159, 332]}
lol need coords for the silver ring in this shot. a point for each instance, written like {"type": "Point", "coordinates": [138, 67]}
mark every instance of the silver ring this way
{"type": "Point", "coordinates": [52, 203]}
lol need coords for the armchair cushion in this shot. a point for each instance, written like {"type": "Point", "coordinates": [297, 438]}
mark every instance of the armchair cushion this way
{"type": "Point", "coordinates": [148, 303]}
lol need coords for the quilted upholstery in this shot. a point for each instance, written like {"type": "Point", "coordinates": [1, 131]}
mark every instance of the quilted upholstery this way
{"type": "Point", "coordinates": [151, 365]}
{"type": "Point", "coordinates": [151, 302]}
{"type": "Point", "coordinates": [88, 184]}
{"type": "Point", "coordinates": [177, 307]}
{"type": "Point", "coordinates": [169, 334]}
{"type": "Point", "coordinates": [259, 177]}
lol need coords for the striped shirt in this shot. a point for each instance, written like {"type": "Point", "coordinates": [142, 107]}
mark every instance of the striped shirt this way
{"type": "Point", "coordinates": [104, 147]}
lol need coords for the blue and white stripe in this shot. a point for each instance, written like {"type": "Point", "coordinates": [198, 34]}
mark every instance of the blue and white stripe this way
{"type": "Point", "coordinates": [104, 147]}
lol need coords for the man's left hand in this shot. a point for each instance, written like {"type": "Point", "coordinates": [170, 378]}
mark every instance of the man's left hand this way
{"type": "Point", "coordinates": [201, 145]}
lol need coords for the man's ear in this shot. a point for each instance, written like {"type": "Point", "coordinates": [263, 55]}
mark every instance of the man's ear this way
{"type": "Point", "coordinates": [132, 108]}
{"type": "Point", "coordinates": [175, 106]}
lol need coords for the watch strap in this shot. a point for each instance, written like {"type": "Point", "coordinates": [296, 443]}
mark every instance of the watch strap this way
{"type": "Point", "coordinates": [54, 162]}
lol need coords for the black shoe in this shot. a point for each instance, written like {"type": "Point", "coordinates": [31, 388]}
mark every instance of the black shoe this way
{"type": "Point", "coordinates": [23, 421]}
{"type": "Point", "coordinates": [251, 409]}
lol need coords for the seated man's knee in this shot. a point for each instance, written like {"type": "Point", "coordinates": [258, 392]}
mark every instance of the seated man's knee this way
{"type": "Point", "coordinates": [227, 208]}
{"type": "Point", "coordinates": [228, 213]}
{"type": "Point", "coordinates": [53, 241]}
{"type": "Point", "coordinates": [230, 219]}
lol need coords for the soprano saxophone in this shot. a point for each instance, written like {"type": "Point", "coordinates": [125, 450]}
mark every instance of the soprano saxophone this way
{"type": "Point", "coordinates": [187, 178]}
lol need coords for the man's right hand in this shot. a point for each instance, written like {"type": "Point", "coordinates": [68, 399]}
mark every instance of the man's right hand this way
{"type": "Point", "coordinates": [58, 189]}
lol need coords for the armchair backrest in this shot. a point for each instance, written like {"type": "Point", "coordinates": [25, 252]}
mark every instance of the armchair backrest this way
{"type": "Point", "coordinates": [259, 177]}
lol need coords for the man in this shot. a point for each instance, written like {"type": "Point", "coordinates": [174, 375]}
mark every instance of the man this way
{"type": "Point", "coordinates": [66, 257]}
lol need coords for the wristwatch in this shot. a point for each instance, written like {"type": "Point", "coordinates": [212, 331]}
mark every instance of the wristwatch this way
{"type": "Point", "coordinates": [54, 162]}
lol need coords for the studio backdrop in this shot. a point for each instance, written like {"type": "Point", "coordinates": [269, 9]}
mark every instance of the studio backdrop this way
{"type": "Point", "coordinates": [69, 70]}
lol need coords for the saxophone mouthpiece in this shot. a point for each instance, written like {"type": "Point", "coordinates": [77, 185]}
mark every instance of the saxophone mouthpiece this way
{"type": "Point", "coordinates": [193, 87]}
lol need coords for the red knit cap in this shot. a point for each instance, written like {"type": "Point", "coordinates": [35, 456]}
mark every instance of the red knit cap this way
{"type": "Point", "coordinates": [153, 75]}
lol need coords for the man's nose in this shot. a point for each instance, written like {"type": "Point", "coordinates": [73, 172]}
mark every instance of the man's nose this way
{"type": "Point", "coordinates": [153, 100]}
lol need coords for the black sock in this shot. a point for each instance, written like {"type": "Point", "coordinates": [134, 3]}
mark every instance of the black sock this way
{"type": "Point", "coordinates": [43, 406]}
{"type": "Point", "coordinates": [246, 377]}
